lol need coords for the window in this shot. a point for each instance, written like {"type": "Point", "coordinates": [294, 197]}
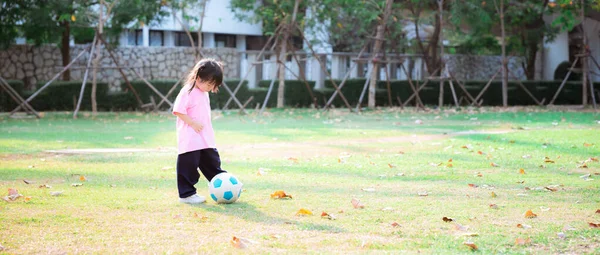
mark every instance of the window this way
{"type": "Point", "coordinates": [225, 41]}
{"type": "Point", "coordinates": [157, 38]}
{"type": "Point", "coordinates": [135, 37]}
{"type": "Point", "coordinates": [182, 39]}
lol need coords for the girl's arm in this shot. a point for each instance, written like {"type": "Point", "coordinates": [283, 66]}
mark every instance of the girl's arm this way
{"type": "Point", "coordinates": [195, 125]}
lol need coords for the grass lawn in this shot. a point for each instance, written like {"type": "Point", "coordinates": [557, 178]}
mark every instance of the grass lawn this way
{"type": "Point", "coordinates": [409, 170]}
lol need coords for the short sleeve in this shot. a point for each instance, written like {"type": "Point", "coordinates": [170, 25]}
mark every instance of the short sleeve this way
{"type": "Point", "coordinates": [181, 102]}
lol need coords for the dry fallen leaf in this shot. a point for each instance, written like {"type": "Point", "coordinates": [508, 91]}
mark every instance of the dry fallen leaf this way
{"type": "Point", "coordinates": [303, 212]}
{"type": "Point", "coordinates": [45, 186]}
{"type": "Point", "coordinates": [548, 160]}
{"type": "Point", "coordinates": [241, 243]}
{"type": "Point", "coordinates": [55, 193]}
{"type": "Point", "coordinates": [551, 188]}
{"type": "Point", "coordinates": [588, 144]}
{"type": "Point", "coordinates": [494, 194]}
{"type": "Point", "coordinates": [446, 219]}
{"type": "Point", "coordinates": [473, 185]}
{"type": "Point", "coordinates": [494, 164]}
{"type": "Point", "coordinates": [368, 189]}
{"type": "Point", "coordinates": [529, 214]}
{"type": "Point", "coordinates": [493, 206]}
{"type": "Point", "coordinates": [295, 160]}
{"type": "Point", "coordinates": [27, 199]}
{"type": "Point", "coordinates": [327, 216]}
{"type": "Point", "coordinates": [357, 204]}
{"type": "Point", "coordinates": [391, 166]}
{"type": "Point", "coordinates": [82, 178]}
{"type": "Point", "coordinates": [471, 245]}
{"type": "Point", "coordinates": [395, 224]}
{"type": "Point", "coordinates": [594, 225]}
{"type": "Point", "coordinates": [521, 171]}
{"type": "Point", "coordinates": [524, 226]}
{"type": "Point", "coordinates": [13, 195]}
{"type": "Point", "coordinates": [480, 152]}
{"type": "Point", "coordinates": [76, 184]}
{"type": "Point", "coordinates": [27, 181]}
{"type": "Point", "coordinates": [598, 211]}
{"type": "Point", "coordinates": [521, 241]}
{"type": "Point", "coordinates": [280, 194]}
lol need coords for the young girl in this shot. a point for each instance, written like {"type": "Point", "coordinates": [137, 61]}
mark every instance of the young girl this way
{"type": "Point", "coordinates": [195, 135]}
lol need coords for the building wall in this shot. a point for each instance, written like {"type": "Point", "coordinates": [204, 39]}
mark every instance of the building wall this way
{"type": "Point", "coordinates": [34, 64]}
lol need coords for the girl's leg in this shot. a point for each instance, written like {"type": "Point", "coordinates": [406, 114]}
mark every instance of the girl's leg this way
{"type": "Point", "coordinates": [187, 173]}
{"type": "Point", "coordinates": [210, 163]}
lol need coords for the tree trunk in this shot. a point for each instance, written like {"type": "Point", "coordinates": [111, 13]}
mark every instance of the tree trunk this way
{"type": "Point", "coordinates": [282, 58]}
{"type": "Point", "coordinates": [504, 60]}
{"type": "Point", "coordinates": [64, 48]}
{"type": "Point", "coordinates": [584, 63]}
{"type": "Point", "coordinates": [532, 50]}
{"type": "Point", "coordinates": [376, 50]}
{"type": "Point", "coordinates": [97, 59]}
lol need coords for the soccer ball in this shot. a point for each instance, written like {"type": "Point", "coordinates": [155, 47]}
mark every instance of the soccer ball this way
{"type": "Point", "coordinates": [225, 188]}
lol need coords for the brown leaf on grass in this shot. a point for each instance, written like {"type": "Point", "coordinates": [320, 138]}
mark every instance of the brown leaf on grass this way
{"type": "Point", "coordinates": [239, 243]}
{"type": "Point", "coordinates": [511, 141]}
{"type": "Point", "coordinates": [449, 165]}
{"type": "Point", "coordinates": [357, 204]}
{"type": "Point", "coordinates": [27, 182]}
{"type": "Point", "coordinates": [521, 171]}
{"type": "Point", "coordinates": [76, 184]}
{"type": "Point", "coordinates": [594, 225]}
{"type": "Point", "coordinates": [479, 175]}
{"type": "Point", "coordinates": [327, 216]}
{"type": "Point", "coordinates": [494, 164]}
{"type": "Point", "coordinates": [524, 226]}
{"type": "Point", "coordinates": [471, 245]}
{"type": "Point", "coordinates": [280, 194]}
{"type": "Point", "coordinates": [45, 186]}
{"type": "Point", "coordinates": [584, 165]}
{"type": "Point", "coordinates": [13, 195]}
{"type": "Point", "coordinates": [588, 144]}
{"type": "Point", "coordinates": [391, 166]}
{"type": "Point", "coordinates": [295, 160]}
{"type": "Point", "coordinates": [598, 211]}
{"type": "Point", "coordinates": [446, 219]}
{"type": "Point", "coordinates": [304, 212]}
{"type": "Point", "coordinates": [493, 206]}
{"type": "Point", "coordinates": [523, 241]}
{"type": "Point", "coordinates": [551, 188]}
{"type": "Point", "coordinates": [400, 152]}
{"type": "Point", "coordinates": [464, 147]}
{"type": "Point", "coordinates": [529, 214]}
{"type": "Point", "coordinates": [27, 199]}
{"type": "Point", "coordinates": [473, 185]}
{"type": "Point", "coordinates": [494, 194]}
{"type": "Point", "coordinates": [82, 178]}
{"type": "Point", "coordinates": [395, 224]}
{"type": "Point", "coordinates": [521, 182]}
{"type": "Point", "coordinates": [480, 152]}
{"type": "Point", "coordinates": [593, 159]}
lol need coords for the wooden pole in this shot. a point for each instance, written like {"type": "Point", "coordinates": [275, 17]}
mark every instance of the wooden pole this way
{"type": "Point", "coordinates": [262, 51]}
{"type": "Point", "coordinates": [562, 84]}
{"type": "Point", "coordinates": [323, 68]}
{"type": "Point", "coordinates": [87, 69]}
{"type": "Point", "coordinates": [137, 97]}
{"type": "Point", "coordinates": [152, 87]}
{"type": "Point", "coordinates": [234, 98]}
{"type": "Point", "coordinates": [49, 82]}
{"type": "Point", "coordinates": [362, 94]}
{"type": "Point", "coordinates": [504, 60]}
{"type": "Point", "coordinates": [584, 63]}
{"type": "Point", "coordinates": [485, 88]}
{"type": "Point", "coordinates": [302, 77]}
{"type": "Point", "coordinates": [262, 109]}
{"type": "Point", "coordinates": [345, 77]}
{"type": "Point", "coordinates": [17, 98]}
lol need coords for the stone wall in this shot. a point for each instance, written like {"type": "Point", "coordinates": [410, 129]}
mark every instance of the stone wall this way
{"type": "Point", "coordinates": [471, 67]}
{"type": "Point", "coordinates": [36, 64]}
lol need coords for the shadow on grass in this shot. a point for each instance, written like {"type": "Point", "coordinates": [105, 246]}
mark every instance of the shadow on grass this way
{"type": "Point", "coordinates": [249, 212]}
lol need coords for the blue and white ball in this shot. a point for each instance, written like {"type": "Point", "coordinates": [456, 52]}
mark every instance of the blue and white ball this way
{"type": "Point", "coordinates": [225, 188]}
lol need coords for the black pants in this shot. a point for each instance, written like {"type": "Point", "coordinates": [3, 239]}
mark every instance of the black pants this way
{"type": "Point", "coordinates": [187, 169]}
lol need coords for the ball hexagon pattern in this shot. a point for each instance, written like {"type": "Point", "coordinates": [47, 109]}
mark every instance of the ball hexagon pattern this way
{"type": "Point", "coordinates": [225, 188]}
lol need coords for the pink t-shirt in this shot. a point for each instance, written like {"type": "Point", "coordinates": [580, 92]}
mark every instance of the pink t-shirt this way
{"type": "Point", "coordinates": [195, 104]}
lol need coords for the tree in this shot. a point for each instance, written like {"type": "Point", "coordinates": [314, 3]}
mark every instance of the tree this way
{"type": "Point", "coordinates": [54, 21]}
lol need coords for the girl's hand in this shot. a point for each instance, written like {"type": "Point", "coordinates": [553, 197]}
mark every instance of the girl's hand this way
{"type": "Point", "coordinates": [197, 126]}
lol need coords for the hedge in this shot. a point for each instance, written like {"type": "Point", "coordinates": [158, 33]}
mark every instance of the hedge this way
{"type": "Point", "coordinates": [6, 102]}
{"type": "Point", "coordinates": [63, 95]}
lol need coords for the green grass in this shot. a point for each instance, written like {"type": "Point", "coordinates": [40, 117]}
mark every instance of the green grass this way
{"type": "Point", "coordinates": [129, 202]}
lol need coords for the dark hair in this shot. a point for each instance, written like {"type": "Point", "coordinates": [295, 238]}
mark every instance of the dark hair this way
{"type": "Point", "coordinates": [207, 70]}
